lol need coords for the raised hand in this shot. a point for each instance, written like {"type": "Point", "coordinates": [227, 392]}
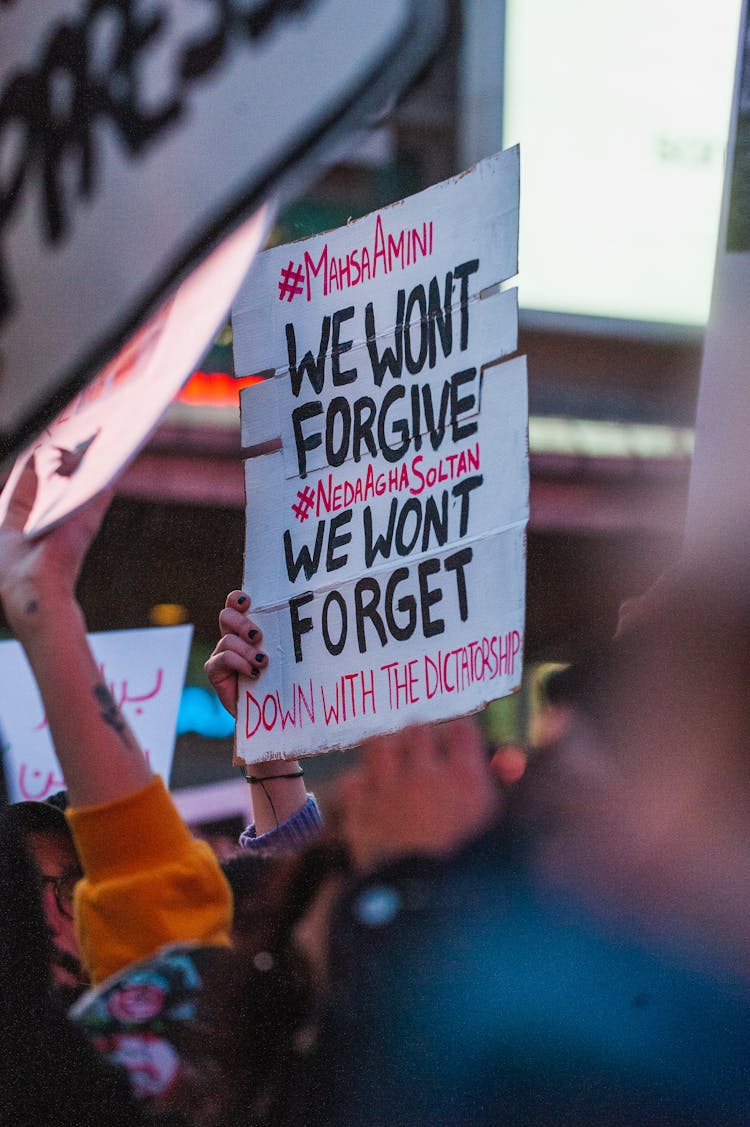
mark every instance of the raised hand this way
{"type": "Point", "coordinates": [35, 574]}
{"type": "Point", "coordinates": [237, 653]}
{"type": "Point", "coordinates": [421, 790]}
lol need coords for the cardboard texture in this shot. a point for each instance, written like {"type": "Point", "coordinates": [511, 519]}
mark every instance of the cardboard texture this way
{"type": "Point", "coordinates": [97, 434]}
{"type": "Point", "coordinates": [387, 494]}
{"type": "Point", "coordinates": [136, 136]}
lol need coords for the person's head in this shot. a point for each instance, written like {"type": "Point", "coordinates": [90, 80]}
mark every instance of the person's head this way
{"type": "Point", "coordinates": [282, 905]}
{"type": "Point", "coordinates": [49, 1071]}
{"type": "Point", "coordinates": [643, 803]}
{"type": "Point", "coordinates": [49, 843]}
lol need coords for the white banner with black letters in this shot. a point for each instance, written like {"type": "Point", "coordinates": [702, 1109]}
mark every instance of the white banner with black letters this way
{"type": "Point", "coordinates": [387, 487]}
{"type": "Point", "coordinates": [134, 136]}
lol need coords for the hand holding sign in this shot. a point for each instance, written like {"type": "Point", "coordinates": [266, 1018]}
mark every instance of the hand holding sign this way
{"type": "Point", "coordinates": [275, 796]}
{"type": "Point", "coordinates": [237, 652]}
{"type": "Point", "coordinates": [123, 271]}
{"type": "Point", "coordinates": [33, 576]}
{"type": "Point", "coordinates": [99, 755]}
{"type": "Point", "coordinates": [91, 441]}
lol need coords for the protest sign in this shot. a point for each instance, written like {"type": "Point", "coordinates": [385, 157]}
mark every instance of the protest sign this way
{"type": "Point", "coordinates": [387, 482]}
{"type": "Point", "coordinates": [105, 425]}
{"type": "Point", "coordinates": [135, 136]}
{"type": "Point", "coordinates": [144, 670]}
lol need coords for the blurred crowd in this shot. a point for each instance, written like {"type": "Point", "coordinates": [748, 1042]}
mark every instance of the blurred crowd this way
{"type": "Point", "coordinates": [467, 937]}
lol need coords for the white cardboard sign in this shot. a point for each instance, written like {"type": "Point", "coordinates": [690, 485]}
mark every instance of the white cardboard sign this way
{"type": "Point", "coordinates": [387, 494]}
{"type": "Point", "coordinates": [145, 671]}
{"type": "Point", "coordinates": [135, 135]}
{"type": "Point", "coordinates": [91, 441]}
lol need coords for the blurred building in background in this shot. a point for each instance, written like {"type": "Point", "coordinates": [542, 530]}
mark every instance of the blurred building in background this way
{"type": "Point", "coordinates": [622, 116]}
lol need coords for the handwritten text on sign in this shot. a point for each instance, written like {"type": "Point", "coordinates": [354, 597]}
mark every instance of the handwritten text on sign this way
{"type": "Point", "coordinates": [124, 153]}
{"type": "Point", "coordinates": [385, 538]}
{"type": "Point", "coordinates": [144, 671]}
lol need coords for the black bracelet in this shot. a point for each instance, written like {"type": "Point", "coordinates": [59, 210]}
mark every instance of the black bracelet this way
{"type": "Point", "coordinates": [265, 778]}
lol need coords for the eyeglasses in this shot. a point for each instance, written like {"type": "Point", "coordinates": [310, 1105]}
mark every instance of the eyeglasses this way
{"type": "Point", "coordinates": [63, 886]}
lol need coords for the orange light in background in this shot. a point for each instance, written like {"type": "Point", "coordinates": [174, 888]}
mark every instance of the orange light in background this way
{"type": "Point", "coordinates": [168, 614]}
{"type": "Point", "coordinates": [214, 389]}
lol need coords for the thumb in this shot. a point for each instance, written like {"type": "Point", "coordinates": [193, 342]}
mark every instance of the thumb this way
{"type": "Point", "coordinates": [22, 498]}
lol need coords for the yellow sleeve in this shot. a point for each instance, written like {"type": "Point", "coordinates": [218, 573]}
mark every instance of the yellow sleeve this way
{"type": "Point", "coordinates": [148, 882]}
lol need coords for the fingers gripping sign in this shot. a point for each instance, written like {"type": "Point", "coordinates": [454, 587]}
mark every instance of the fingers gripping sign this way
{"type": "Point", "coordinates": [22, 499]}
{"type": "Point", "coordinates": [277, 788]}
{"type": "Point", "coordinates": [238, 652]}
{"type": "Point", "coordinates": [99, 756]}
{"type": "Point", "coordinates": [35, 572]}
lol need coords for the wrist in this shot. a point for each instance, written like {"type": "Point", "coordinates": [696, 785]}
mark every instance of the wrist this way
{"type": "Point", "coordinates": [43, 619]}
{"type": "Point", "coordinates": [261, 780]}
{"type": "Point", "coordinates": [274, 769]}
{"type": "Point", "coordinates": [277, 791]}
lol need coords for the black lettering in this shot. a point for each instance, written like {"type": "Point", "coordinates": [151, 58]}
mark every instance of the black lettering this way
{"type": "Point", "coordinates": [233, 20]}
{"type": "Point", "coordinates": [459, 431]}
{"type": "Point", "coordinates": [261, 18]}
{"type": "Point", "coordinates": [390, 361]}
{"type": "Point", "coordinates": [416, 297]}
{"type": "Point", "coordinates": [309, 366]}
{"type": "Point", "coordinates": [364, 416]}
{"type": "Point", "coordinates": [382, 545]}
{"type": "Point", "coordinates": [416, 415]}
{"type": "Point", "coordinates": [98, 61]}
{"type": "Point", "coordinates": [463, 273]}
{"type": "Point", "coordinates": [436, 430]}
{"type": "Point", "coordinates": [300, 626]}
{"type": "Point", "coordinates": [305, 561]}
{"type": "Point", "coordinates": [407, 605]}
{"type": "Point", "coordinates": [339, 347]}
{"type": "Point", "coordinates": [336, 540]}
{"type": "Point", "coordinates": [302, 442]}
{"type": "Point", "coordinates": [335, 648]}
{"type": "Point", "coordinates": [400, 428]}
{"type": "Point", "coordinates": [338, 408]}
{"type": "Point", "coordinates": [440, 316]}
{"type": "Point", "coordinates": [463, 490]}
{"type": "Point", "coordinates": [56, 138]}
{"type": "Point", "coordinates": [412, 506]}
{"type": "Point", "coordinates": [428, 598]}
{"type": "Point", "coordinates": [457, 562]}
{"type": "Point", "coordinates": [435, 521]}
{"type": "Point", "coordinates": [368, 586]}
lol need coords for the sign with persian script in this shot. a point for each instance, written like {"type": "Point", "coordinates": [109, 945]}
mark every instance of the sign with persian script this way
{"type": "Point", "coordinates": [145, 671]}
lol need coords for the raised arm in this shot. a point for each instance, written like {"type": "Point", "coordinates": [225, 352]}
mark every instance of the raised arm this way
{"type": "Point", "coordinates": [424, 790]}
{"type": "Point", "coordinates": [279, 798]}
{"type": "Point", "coordinates": [97, 751]}
{"type": "Point", "coordinates": [147, 880]}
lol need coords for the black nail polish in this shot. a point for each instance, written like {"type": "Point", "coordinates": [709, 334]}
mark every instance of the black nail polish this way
{"type": "Point", "coordinates": [260, 658]}
{"type": "Point", "coordinates": [242, 599]}
{"type": "Point", "coordinates": [255, 673]}
{"type": "Point", "coordinates": [252, 635]}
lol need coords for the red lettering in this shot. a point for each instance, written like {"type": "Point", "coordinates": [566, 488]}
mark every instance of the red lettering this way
{"type": "Point", "coordinates": [396, 247]}
{"type": "Point", "coordinates": [311, 270]}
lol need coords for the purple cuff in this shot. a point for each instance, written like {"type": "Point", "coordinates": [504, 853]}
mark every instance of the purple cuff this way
{"type": "Point", "coordinates": [297, 831]}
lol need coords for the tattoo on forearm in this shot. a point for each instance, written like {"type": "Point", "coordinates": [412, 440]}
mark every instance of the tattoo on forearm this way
{"type": "Point", "coordinates": [111, 714]}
